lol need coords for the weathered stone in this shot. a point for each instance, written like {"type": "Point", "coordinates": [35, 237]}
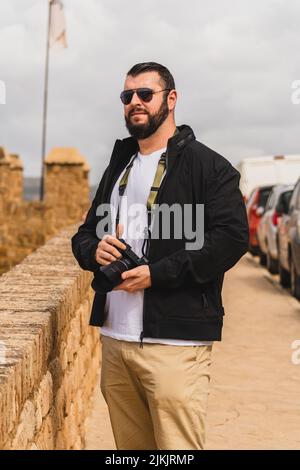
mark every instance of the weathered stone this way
{"type": "Point", "coordinates": [26, 428]}
{"type": "Point", "coordinates": [45, 438]}
{"type": "Point", "coordinates": [51, 361]}
{"type": "Point", "coordinates": [44, 397]}
{"type": "Point", "coordinates": [26, 225]}
{"type": "Point", "coordinates": [33, 447]}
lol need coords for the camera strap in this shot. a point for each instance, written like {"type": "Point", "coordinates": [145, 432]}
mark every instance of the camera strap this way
{"type": "Point", "coordinates": [161, 166]}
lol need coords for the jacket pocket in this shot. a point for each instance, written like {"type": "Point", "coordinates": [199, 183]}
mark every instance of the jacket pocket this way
{"type": "Point", "coordinates": [210, 309]}
{"type": "Point", "coordinates": [187, 303]}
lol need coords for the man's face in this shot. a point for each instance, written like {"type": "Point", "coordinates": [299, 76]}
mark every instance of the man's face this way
{"type": "Point", "coordinates": [144, 118]}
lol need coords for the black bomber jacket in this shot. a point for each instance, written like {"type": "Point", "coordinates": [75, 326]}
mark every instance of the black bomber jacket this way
{"type": "Point", "coordinates": [184, 300]}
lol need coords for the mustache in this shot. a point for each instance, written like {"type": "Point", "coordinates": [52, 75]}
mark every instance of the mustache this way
{"type": "Point", "coordinates": [137, 110]}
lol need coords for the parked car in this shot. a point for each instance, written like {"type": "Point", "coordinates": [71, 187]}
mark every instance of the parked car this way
{"type": "Point", "coordinates": [255, 208]}
{"type": "Point", "coordinates": [289, 244]}
{"type": "Point", "coordinates": [284, 244]}
{"type": "Point", "coordinates": [267, 230]}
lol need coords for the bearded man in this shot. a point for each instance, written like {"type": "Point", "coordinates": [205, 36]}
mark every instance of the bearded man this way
{"type": "Point", "coordinates": [158, 324]}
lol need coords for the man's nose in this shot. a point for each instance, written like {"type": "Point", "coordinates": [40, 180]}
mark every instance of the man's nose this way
{"type": "Point", "coordinates": [135, 99]}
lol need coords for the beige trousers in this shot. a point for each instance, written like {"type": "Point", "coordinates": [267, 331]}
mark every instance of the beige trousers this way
{"type": "Point", "coordinates": [156, 395]}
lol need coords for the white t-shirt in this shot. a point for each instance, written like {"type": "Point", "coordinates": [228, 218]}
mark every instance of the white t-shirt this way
{"type": "Point", "coordinates": [125, 310]}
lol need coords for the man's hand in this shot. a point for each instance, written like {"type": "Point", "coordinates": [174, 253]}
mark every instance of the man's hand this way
{"type": "Point", "coordinates": [135, 279]}
{"type": "Point", "coordinates": [107, 250]}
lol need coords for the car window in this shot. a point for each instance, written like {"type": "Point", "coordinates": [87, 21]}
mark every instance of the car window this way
{"type": "Point", "coordinates": [263, 196]}
{"type": "Point", "coordinates": [284, 201]}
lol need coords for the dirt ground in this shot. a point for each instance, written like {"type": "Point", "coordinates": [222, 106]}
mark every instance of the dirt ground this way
{"type": "Point", "coordinates": [255, 387]}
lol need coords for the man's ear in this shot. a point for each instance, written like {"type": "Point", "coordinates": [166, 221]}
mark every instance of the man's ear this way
{"type": "Point", "coordinates": [172, 98]}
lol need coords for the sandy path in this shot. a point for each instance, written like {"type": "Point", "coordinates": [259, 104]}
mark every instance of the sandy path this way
{"type": "Point", "coordinates": [255, 388]}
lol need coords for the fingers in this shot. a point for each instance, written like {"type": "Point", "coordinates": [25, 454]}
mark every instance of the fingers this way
{"type": "Point", "coordinates": [130, 273]}
{"type": "Point", "coordinates": [106, 251]}
{"type": "Point", "coordinates": [102, 262]}
{"type": "Point", "coordinates": [104, 258]}
{"type": "Point", "coordinates": [128, 286]}
{"type": "Point", "coordinates": [113, 241]}
{"type": "Point", "coordinates": [109, 249]}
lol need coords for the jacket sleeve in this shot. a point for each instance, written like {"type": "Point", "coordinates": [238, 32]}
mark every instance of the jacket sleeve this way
{"type": "Point", "coordinates": [85, 241]}
{"type": "Point", "coordinates": [226, 236]}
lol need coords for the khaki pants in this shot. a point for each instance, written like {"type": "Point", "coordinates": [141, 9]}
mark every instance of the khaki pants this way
{"type": "Point", "coordinates": [156, 395]}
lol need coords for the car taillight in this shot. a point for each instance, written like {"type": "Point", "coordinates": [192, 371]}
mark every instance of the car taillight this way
{"type": "Point", "coordinates": [275, 218]}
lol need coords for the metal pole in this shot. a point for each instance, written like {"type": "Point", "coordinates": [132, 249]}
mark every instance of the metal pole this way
{"type": "Point", "coordinates": [45, 104]}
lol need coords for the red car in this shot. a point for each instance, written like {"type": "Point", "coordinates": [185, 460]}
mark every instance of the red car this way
{"type": "Point", "coordinates": [255, 208]}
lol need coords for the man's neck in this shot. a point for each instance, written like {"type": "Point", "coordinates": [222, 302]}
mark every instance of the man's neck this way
{"type": "Point", "coordinates": [158, 140]}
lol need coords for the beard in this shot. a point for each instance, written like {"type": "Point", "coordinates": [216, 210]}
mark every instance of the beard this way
{"type": "Point", "coordinates": [142, 131]}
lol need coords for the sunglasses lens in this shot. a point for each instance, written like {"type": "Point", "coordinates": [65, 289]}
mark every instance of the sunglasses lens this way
{"type": "Point", "coordinates": [126, 96]}
{"type": "Point", "coordinates": [145, 94]}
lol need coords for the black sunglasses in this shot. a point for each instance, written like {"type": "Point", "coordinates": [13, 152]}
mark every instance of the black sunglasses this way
{"type": "Point", "coordinates": [145, 94]}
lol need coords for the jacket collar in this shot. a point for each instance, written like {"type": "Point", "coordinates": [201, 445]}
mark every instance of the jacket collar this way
{"type": "Point", "coordinates": [180, 140]}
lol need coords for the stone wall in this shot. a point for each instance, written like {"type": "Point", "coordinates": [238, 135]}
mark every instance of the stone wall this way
{"type": "Point", "coordinates": [49, 356]}
{"type": "Point", "coordinates": [66, 185]}
{"type": "Point", "coordinates": [26, 225]}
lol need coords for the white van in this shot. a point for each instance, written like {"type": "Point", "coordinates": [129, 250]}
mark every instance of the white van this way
{"type": "Point", "coordinates": [270, 170]}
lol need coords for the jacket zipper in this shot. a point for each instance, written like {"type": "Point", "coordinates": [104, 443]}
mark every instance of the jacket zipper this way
{"type": "Point", "coordinates": [141, 338]}
{"type": "Point", "coordinates": [148, 247]}
{"type": "Point", "coordinates": [205, 301]}
{"type": "Point", "coordinates": [142, 332]}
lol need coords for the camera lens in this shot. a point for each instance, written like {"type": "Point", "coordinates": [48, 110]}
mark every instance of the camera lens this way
{"type": "Point", "coordinates": [114, 270]}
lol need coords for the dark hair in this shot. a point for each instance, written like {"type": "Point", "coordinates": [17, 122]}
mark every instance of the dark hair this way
{"type": "Point", "coordinates": [163, 72]}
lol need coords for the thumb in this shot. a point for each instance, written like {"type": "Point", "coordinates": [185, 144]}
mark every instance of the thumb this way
{"type": "Point", "coordinates": [129, 273]}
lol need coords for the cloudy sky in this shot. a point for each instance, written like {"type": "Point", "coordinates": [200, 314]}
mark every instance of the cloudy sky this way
{"type": "Point", "coordinates": [234, 63]}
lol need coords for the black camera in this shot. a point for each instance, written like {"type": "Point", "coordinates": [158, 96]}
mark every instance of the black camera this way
{"type": "Point", "coordinates": [111, 273]}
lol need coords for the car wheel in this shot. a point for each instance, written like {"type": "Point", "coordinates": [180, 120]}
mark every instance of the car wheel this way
{"type": "Point", "coordinates": [284, 276]}
{"type": "Point", "coordinates": [272, 264]}
{"type": "Point", "coordinates": [295, 281]}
